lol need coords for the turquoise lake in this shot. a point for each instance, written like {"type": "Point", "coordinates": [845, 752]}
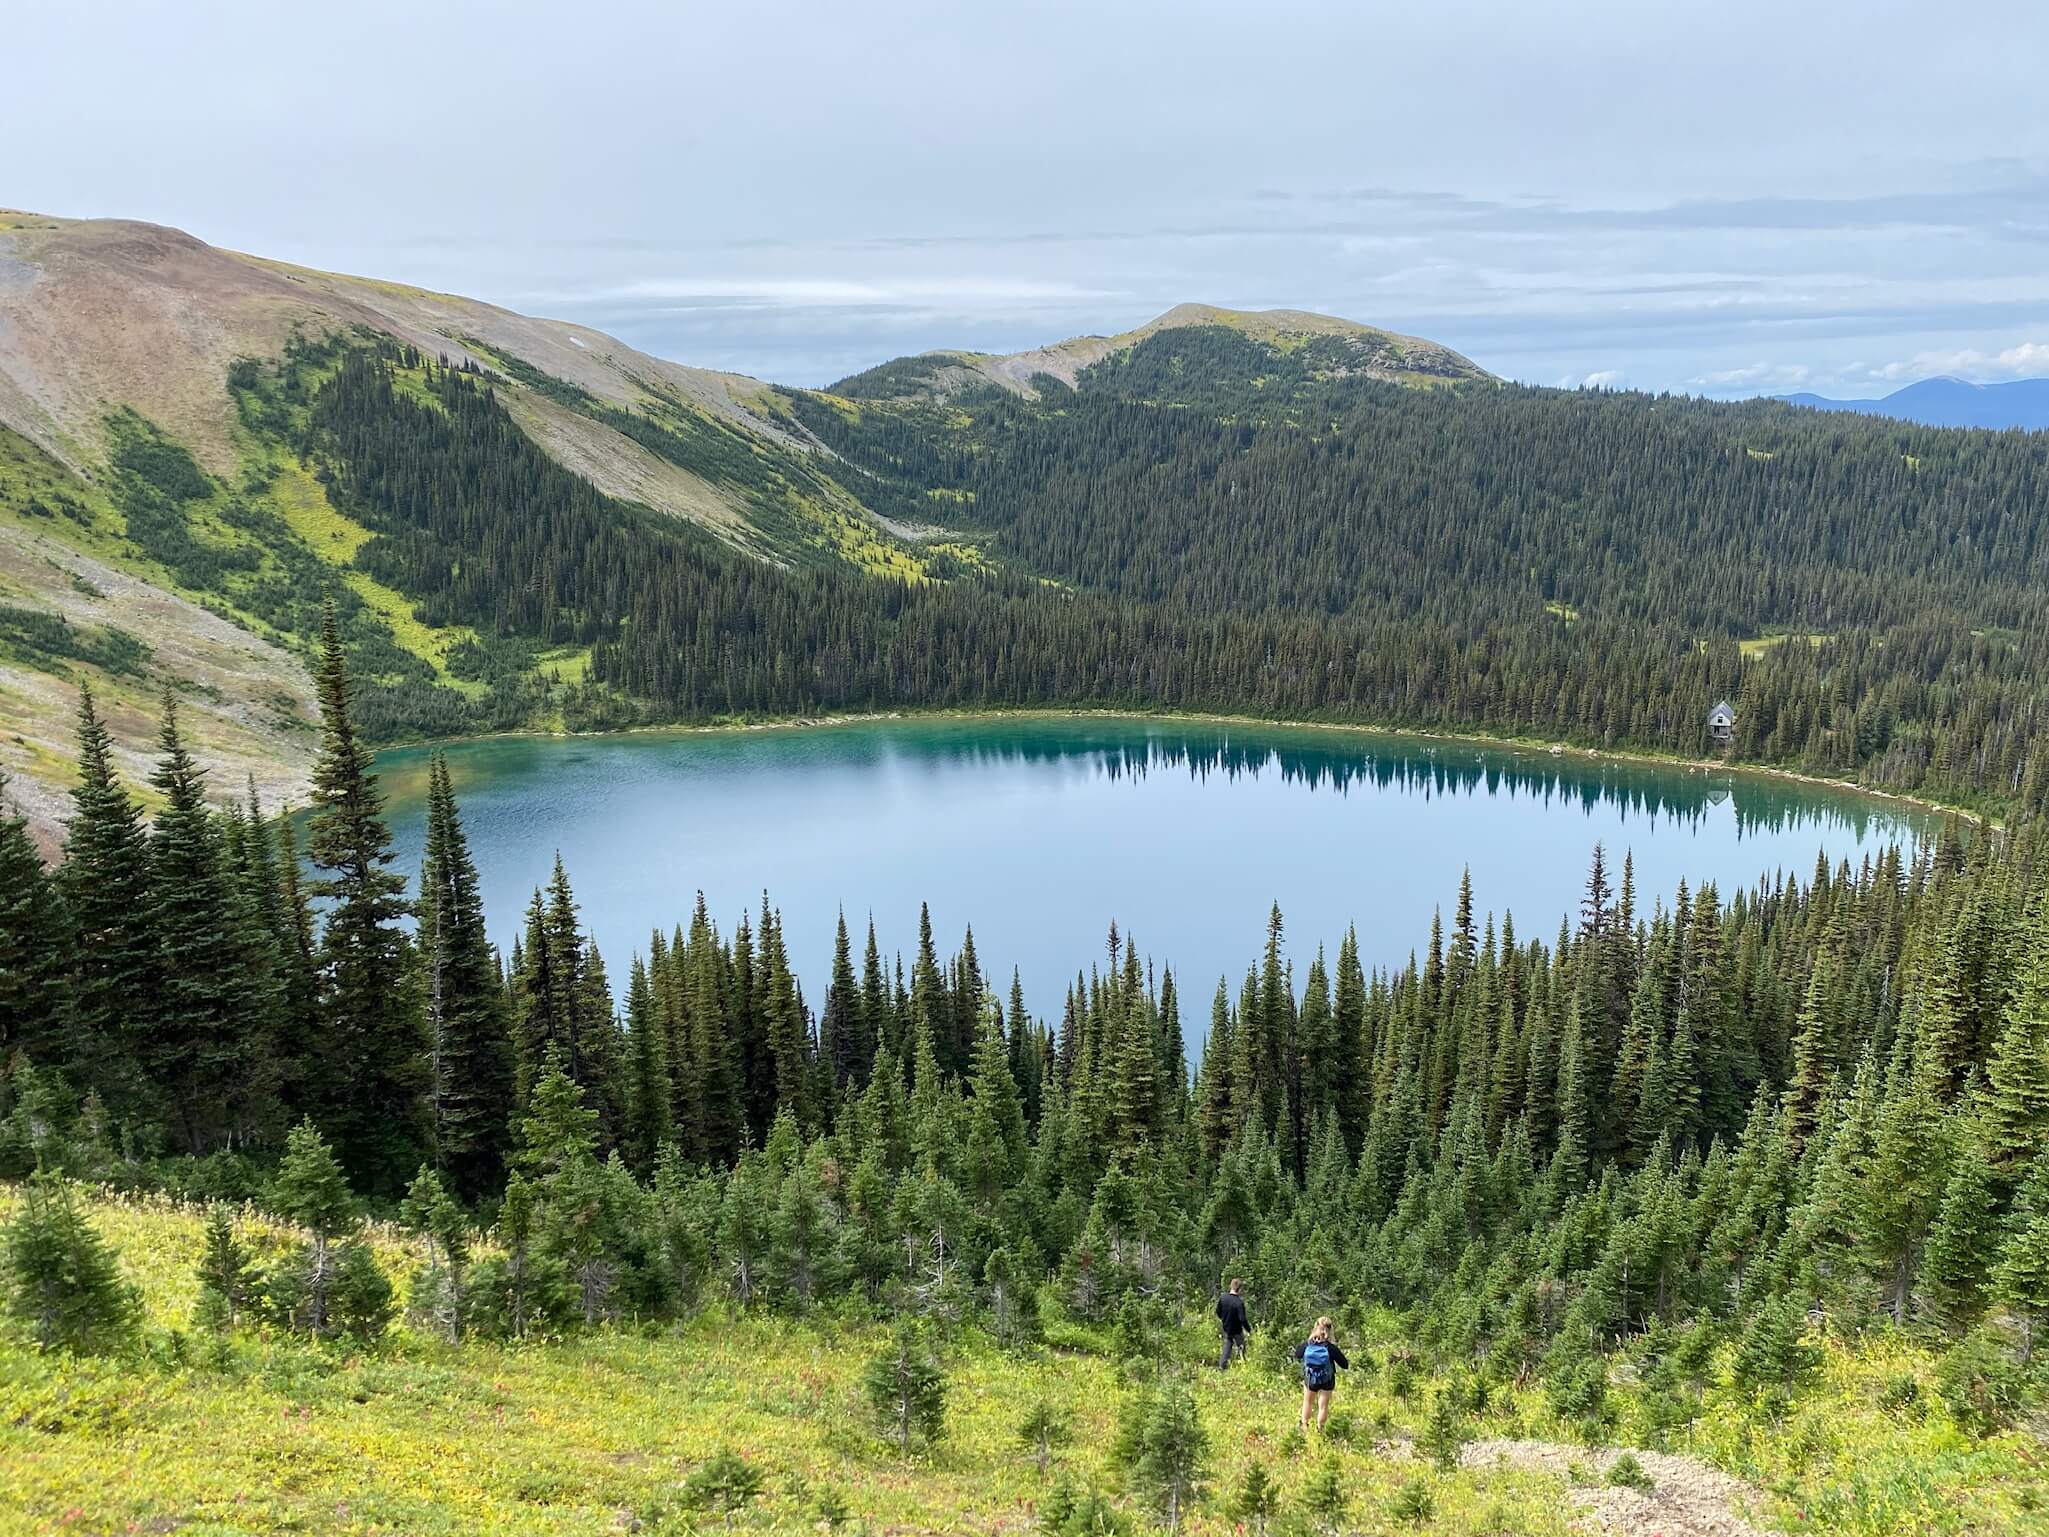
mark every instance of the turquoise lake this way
{"type": "Point", "coordinates": [1040, 831]}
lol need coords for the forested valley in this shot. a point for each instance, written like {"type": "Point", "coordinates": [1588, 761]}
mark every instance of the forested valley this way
{"type": "Point", "coordinates": [1585, 567]}
{"type": "Point", "coordinates": [1684, 1119]}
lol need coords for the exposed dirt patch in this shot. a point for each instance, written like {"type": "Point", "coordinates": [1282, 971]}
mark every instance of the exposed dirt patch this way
{"type": "Point", "coordinates": [1687, 1498]}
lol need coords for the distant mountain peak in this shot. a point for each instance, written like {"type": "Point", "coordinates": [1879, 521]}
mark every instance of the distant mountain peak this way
{"type": "Point", "coordinates": [1380, 353]}
{"type": "Point", "coordinates": [1946, 401]}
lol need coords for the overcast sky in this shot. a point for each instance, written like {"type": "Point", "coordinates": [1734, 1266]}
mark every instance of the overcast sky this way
{"type": "Point", "coordinates": [1718, 196]}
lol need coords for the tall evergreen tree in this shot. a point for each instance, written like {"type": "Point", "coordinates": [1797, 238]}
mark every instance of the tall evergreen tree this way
{"type": "Point", "coordinates": [104, 881]}
{"type": "Point", "coordinates": [206, 999]}
{"type": "Point", "coordinates": [650, 1122]}
{"type": "Point", "coordinates": [840, 1025]}
{"type": "Point", "coordinates": [36, 1016]}
{"type": "Point", "coordinates": [377, 1073]}
{"type": "Point", "coordinates": [2017, 1105]}
{"type": "Point", "coordinates": [472, 1083]}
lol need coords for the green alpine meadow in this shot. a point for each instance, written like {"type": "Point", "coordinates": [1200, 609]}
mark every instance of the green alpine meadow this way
{"type": "Point", "coordinates": [1072, 770]}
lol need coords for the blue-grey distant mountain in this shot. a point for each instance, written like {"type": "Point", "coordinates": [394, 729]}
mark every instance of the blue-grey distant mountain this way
{"type": "Point", "coordinates": [1951, 403]}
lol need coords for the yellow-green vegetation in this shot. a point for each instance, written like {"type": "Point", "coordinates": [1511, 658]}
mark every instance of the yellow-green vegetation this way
{"type": "Point", "coordinates": [41, 495]}
{"type": "Point", "coordinates": [1564, 611]}
{"type": "Point", "coordinates": [279, 480]}
{"type": "Point", "coordinates": [608, 1431]}
{"type": "Point", "coordinates": [569, 664]}
{"type": "Point", "coordinates": [301, 500]}
{"type": "Point", "coordinates": [844, 529]}
{"type": "Point", "coordinates": [1753, 646]}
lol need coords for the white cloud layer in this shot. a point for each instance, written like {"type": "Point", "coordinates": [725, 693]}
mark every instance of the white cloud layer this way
{"type": "Point", "coordinates": [805, 189]}
{"type": "Point", "coordinates": [2020, 361]}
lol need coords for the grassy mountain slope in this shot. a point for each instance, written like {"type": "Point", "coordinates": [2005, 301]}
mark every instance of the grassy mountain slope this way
{"type": "Point", "coordinates": [118, 341]}
{"type": "Point", "coordinates": [96, 314]}
{"type": "Point", "coordinates": [602, 1433]}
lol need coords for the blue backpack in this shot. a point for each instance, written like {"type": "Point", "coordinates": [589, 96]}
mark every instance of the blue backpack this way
{"type": "Point", "coordinates": [1317, 1372]}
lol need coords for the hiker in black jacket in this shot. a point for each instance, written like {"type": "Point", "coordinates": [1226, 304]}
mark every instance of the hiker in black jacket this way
{"type": "Point", "coordinates": [1320, 1358]}
{"type": "Point", "coordinates": [1236, 1324]}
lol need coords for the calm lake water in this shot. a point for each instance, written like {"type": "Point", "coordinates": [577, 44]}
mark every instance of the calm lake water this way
{"type": "Point", "coordinates": [1039, 832]}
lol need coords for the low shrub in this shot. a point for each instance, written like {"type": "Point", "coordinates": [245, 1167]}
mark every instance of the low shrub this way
{"type": "Point", "coordinates": [1413, 1503]}
{"type": "Point", "coordinates": [1625, 1472]}
{"type": "Point", "coordinates": [724, 1483]}
{"type": "Point", "coordinates": [1981, 1384]}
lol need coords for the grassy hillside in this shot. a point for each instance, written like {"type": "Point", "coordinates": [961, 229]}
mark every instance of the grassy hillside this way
{"type": "Point", "coordinates": [602, 1433]}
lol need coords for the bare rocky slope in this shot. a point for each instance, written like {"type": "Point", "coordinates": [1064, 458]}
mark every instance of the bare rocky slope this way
{"type": "Point", "coordinates": [101, 313]}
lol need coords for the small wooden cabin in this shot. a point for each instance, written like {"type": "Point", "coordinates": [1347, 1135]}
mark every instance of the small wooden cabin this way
{"type": "Point", "coordinates": [1722, 724]}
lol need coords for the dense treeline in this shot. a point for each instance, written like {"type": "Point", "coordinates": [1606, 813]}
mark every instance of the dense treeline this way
{"type": "Point", "coordinates": [482, 528]}
{"type": "Point", "coordinates": [1203, 468]}
{"type": "Point", "coordinates": [1669, 1121]}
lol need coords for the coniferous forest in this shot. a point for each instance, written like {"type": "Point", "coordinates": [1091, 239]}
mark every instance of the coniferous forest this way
{"type": "Point", "coordinates": [1206, 525]}
{"type": "Point", "coordinates": [1686, 1116]}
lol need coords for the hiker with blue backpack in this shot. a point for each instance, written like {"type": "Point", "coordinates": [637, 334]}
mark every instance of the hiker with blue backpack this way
{"type": "Point", "coordinates": [1320, 1358]}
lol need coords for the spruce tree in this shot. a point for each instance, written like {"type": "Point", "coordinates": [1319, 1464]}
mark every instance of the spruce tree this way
{"type": "Point", "coordinates": [651, 1120]}
{"type": "Point", "coordinates": [299, 1055]}
{"type": "Point", "coordinates": [1043, 1430]}
{"type": "Point", "coordinates": [839, 1024]}
{"type": "Point", "coordinates": [309, 1288]}
{"type": "Point", "coordinates": [2017, 1101]}
{"type": "Point", "coordinates": [996, 1146]}
{"type": "Point", "coordinates": [1171, 1452]}
{"type": "Point", "coordinates": [1901, 1184]}
{"type": "Point", "coordinates": [58, 1276]}
{"type": "Point", "coordinates": [105, 884]}
{"type": "Point", "coordinates": [1963, 1243]}
{"type": "Point", "coordinates": [227, 1281]}
{"type": "Point", "coordinates": [471, 1083]}
{"type": "Point", "coordinates": [878, 1018]}
{"type": "Point", "coordinates": [906, 1389]}
{"type": "Point", "coordinates": [35, 952]}
{"type": "Point", "coordinates": [377, 1070]}
{"type": "Point", "coordinates": [783, 1025]}
{"type": "Point", "coordinates": [716, 1114]}
{"type": "Point", "coordinates": [439, 1291]}
{"type": "Point", "coordinates": [205, 998]}
{"type": "Point", "coordinates": [2021, 1280]}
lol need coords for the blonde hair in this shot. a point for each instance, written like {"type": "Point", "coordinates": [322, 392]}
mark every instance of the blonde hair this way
{"type": "Point", "coordinates": [1321, 1332]}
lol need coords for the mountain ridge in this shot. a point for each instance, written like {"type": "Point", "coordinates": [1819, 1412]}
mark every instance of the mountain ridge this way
{"type": "Point", "coordinates": [1380, 353]}
{"type": "Point", "coordinates": [171, 293]}
{"type": "Point", "coordinates": [1946, 401]}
